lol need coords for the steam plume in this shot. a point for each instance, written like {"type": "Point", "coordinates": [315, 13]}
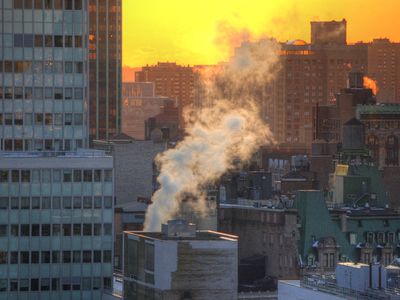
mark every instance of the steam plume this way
{"type": "Point", "coordinates": [228, 130]}
{"type": "Point", "coordinates": [369, 83]}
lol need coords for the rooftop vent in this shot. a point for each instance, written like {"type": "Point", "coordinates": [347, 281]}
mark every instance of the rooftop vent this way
{"type": "Point", "coordinates": [179, 229]}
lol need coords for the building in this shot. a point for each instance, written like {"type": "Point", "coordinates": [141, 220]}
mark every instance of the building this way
{"type": "Point", "coordinates": [105, 67]}
{"type": "Point", "coordinates": [267, 240]}
{"type": "Point", "coordinates": [351, 281]}
{"type": "Point", "coordinates": [56, 223]}
{"type": "Point", "coordinates": [171, 80]}
{"type": "Point", "coordinates": [56, 198]}
{"type": "Point", "coordinates": [180, 263]}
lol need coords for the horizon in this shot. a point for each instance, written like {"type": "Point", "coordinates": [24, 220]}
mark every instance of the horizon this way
{"type": "Point", "coordinates": [172, 33]}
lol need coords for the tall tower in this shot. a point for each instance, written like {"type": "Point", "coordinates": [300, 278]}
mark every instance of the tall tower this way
{"type": "Point", "coordinates": [56, 199]}
{"type": "Point", "coordinates": [105, 60]}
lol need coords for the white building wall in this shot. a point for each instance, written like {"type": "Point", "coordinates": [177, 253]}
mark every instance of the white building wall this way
{"type": "Point", "coordinates": [291, 290]}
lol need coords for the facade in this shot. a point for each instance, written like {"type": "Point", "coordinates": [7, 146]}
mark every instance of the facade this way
{"type": "Point", "coordinates": [105, 65]}
{"type": "Point", "coordinates": [56, 223]}
{"type": "Point", "coordinates": [180, 263]}
{"type": "Point", "coordinates": [266, 233]}
{"type": "Point", "coordinates": [44, 82]}
{"type": "Point", "coordinates": [56, 199]}
{"type": "Point", "coordinates": [173, 81]}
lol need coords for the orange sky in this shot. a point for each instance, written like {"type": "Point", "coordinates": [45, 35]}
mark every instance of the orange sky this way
{"type": "Point", "coordinates": [195, 31]}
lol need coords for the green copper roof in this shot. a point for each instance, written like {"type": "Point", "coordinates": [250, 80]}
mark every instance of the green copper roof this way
{"type": "Point", "coordinates": [381, 108]}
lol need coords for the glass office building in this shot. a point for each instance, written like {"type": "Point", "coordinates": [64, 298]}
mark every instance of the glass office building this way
{"type": "Point", "coordinates": [56, 199]}
{"type": "Point", "coordinates": [105, 60]}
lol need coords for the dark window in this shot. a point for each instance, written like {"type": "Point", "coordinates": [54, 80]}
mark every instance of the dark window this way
{"type": "Point", "coordinates": [68, 93]}
{"type": "Point", "coordinates": [56, 229]}
{"type": "Point", "coordinates": [13, 285]}
{"type": "Point", "coordinates": [4, 175]}
{"type": "Point", "coordinates": [107, 202]}
{"type": "Point", "coordinates": [15, 175]}
{"type": "Point", "coordinates": [45, 284]}
{"type": "Point", "coordinates": [55, 257]}
{"type": "Point", "coordinates": [38, 40]}
{"type": "Point", "coordinates": [78, 93]}
{"type": "Point", "coordinates": [3, 257]}
{"type": "Point", "coordinates": [56, 202]}
{"type": "Point", "coordinates": [67, 202]}
{"type": "Point", "coordinates": [18, 40]}
{"type": "Point", "coordinates": [67, 176]}
{"type": "Point", "coordinates": [68, 67]}
{"type": "Point", "coordinates": [39, 119]}
{"type": "Point", "coordinates": [35, 203]}
{"type": "Point", "coordinates": [8, 66]}
{"type": "Point", "coordinates": [78, 41]}
{"type": "Point", "coordinates": [14, 231]}
{"type": "Point", "coordinates": [67, 257]}
{"type": "Point", "coordinates": [77, 176]}
{"type": "Point", "coordinates": [87, 202]}
{"type": "Point", "coordinates": [28, 4]}
{"type": "Point", "coordinates": [96, 283]}
{"type": "Point", "coordinates": [79, 67]}
{"type": "Point", "coordinates": [68, 119]}
{"type": "Point", "coordinates": [35, 229]}
{"type": "Point", "coordinates": [48, 4]}
{"type": "Point", "coordinates": [68, 4]}
{"type": "Point", "coordinates": [87, 229]}
{"type": "Point", "coordinates": [24, 229]}
{"type": "Point", "coordinates": [96, 256]}
{"type": "Point", "coordinates": [28, 40]}
{"type": "Point", "coordinates": [14, 203]}
{"type": "Point", "coordinates": [38, 4]}
{"type": "Point", "coordinates": [55, 284]}
{"type": "Point", "coordinates": [58, 4]}
{"type": "Point", "coordinates": [45, 229]}
{"type": "Point", "coordinates": [87, 175]}
{"type": "Point", "coordinates": [45, 257]}
{"type": "Point", "coordinates": [108, 175]}
{"type": "Point", "coordinates": [48, 41]}
{"type": "Point", "coordinates": [108, 229]}
{"type": "Point", "coordinates": [106, 256]}
{"type": "Point", "coordinates": [77, 202]}
{"type": "Point", "coordinates": [78, 4]}
{"type": "Point", "coordinates": [68, 41]}
{"type": "Point", "coordinates": [97, 202]}
{"type": "Point", "coordinates": [3, 202]}
{"type": "Point", "coordinates": [96, 229]}
{"type": "Point", "coordinates": [24, 257]}
{"type": "Point", "coordinates": [34, 257]}
{"type": "Point", "coordinates": [14, 257]}
{"type": "Point", "coordinates": [24, 285]}
{"type": "Point", "coordinates": [3, 230]}
{"type": "Point", "coordinates": [77, 229]}
{"type": "Point", "coordinates": [46, 202]}
{"type": "Point", "coordinates": [87, 256]}
{"type": "Point", "coordinates": [107, 283]}
{"type": "Point", "coordinates": [34, 284]}
{"type": "Point", "coordinates": [18, 4]}
{"type": "Point", "coordinates": [58, 93]}
{"type": "Point", "coordinates": [76, 257]}
{"type": "Point", "coordinates": [67, 229]}
{"type": "Point", "coordinates": [25, 203]}
{"type": "Point", "coordinates": [58, 41]}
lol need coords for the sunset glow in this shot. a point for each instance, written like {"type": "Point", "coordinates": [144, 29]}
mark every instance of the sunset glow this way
{"type": "Point", "coordinates": [199, 32]}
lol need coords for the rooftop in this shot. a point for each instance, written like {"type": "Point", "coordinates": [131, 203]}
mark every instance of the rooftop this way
{"type": "Point", "coordinates": [201, 235]}
{"type": "Point", "coordinates": [379, 108]}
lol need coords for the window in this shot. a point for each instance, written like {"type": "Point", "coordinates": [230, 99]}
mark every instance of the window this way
{"type": "Point", "coordinates": [77, 228]}
{"type": "Point", "coordinates": [3, 202]}
{"type": "Point", "coordinates": [46, 202]}
{"type": "Point", "coordinates": [13, 285]}
{"type": "Point", "coordinates": [97, 256]}
{"type": "Point", "coordinates": [18, 4]}
{"type": "Point", "coordinates": [15, 176]}
{"type": "Point", "coordinates": [68, 93]}
{"type": "Point", "coordinates": [18, 40]}
{"type": "Point", "coordinates": [24, 229]}
{"type": "Point", "coordinates": [87, 175]}
{"type": "Point", "coordinates": [58, 93]}
{"type": "Point", "coordinates": [77, 202]}
{"type": "Point", "coordinates": [56, 229]}
{"type": "Point", "coordinates": [68, 4]}
{"type": "Point", "coordinates": [68, 67]}
{"type": "Point", "coordinates": [86, 283]}
{"type": "Point", "coordinates": [67, 176]}
{"type": "Point", "coordinates": [77, 176]}
{"type": "Point", "coordinates": [67, 202]}
{"type": "Point", "coordinates": [24, 285]}
{"type": "Point", "coordinates": [48, 41]}
{"type": "Point", "coordinates": [4, 175]}
{"type": "Point", "coordinates": [34, 257]}
{"type": "Point", "coordinates": [56, 202]}
{"type": "Point", "coordinates": [107, 283]}
{"type": "Point", "coordinates": [14, 257]}
{"type": "Point", "coordinates": [67, 229]}
{"type": "Point", "coordinates": [14, 230]}
{"type": "Point", "coordinates": [35, 229]}
{"type": "Point", "coordinates": [96, 229]}
{"type": "Point", "coordinates": [38, 40]}
{"type": "Point", "coordinates": [45, 257]}
{"type": "Point", "coordinates": [76, 257]}
{"type": "Point", "coordinates": [108, 229]}
{"type": "Point", "coordinates": [87, 229]}
{"type": "Point", "coordinates": [39, 119]}
{"type": "Point", "coordinates": [55, 284]}
{"type": "Point", "coordinates": [68, 43]}
{"type": "Point", "coordinates": [28, 40]}
{"type": "Point", "coordinates": [14, 203]}
{"type": "Point", "coordinates": [25, 203]}
{"type": "Point", "coordinates": [78, 41]}
{"type": "Point", "coordinates": [96, 283]}
{"type": "Point", "coordinates": [79, 67]}
{"type": "Point", "coordinates": [97, 202]}
{"type": "Point", "coordinates": [45, 284]}
{"type": "Point", "coordinates": [24, 257]}
{"type": "Point", "coordinates": [87, 202]}
{"type": "Point", "coordinates": [108, 175]}
{"type": "Point", "coordinates": [35, 202]}
{"type": "Point", "coordinates": [87, 256]}
{"type": "Point", "coordinates": [28, 4]}
{"type": "Point", "coordinates": [78, 93]}
{"type": "Point", "coordinates": [58, 119]}
{"type": "Point", "coordinates": [48, 4]}
{"type": "Point", "coordinates": [107, 256]}
{"type": "Point", "coordinates": [68, 119]}
{"type": "Point", "coordinates": [3, 230]}
{"type": "Point", "coordinates": [28, 93]}
{"type": "Point", "coordinates": [34, 284]}
{"type": "Point", "coordinates": [55, 257]}
{"type": "Point", "coordinates": [107, 202]}
{"type": "Point", "coordinates": [66, 257]}
{"type": "Point", "coordinates": [78, 4]}
{"type": "Point", "coordinates": [45, 229]}
{"type": "Point", "coordinates": [78, 120]}
{"type": "Point", "coordinates": [3, 257]}
{"type": "Point", "coordinates": [58, 41]}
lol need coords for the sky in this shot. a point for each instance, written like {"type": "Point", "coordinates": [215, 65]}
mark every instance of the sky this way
{"type": "Point", "coordinates": [205, 31]}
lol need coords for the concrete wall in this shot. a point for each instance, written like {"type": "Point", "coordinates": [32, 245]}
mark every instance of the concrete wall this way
{"type": "Point", "coordinates": [133, 164]}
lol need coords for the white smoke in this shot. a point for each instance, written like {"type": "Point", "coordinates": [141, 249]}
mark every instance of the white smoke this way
{"type": "Point", "coordinates": [218, 135]}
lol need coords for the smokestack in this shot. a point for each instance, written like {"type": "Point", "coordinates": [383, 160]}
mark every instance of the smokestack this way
{"type": "Point", "coordinates": [355, 80]}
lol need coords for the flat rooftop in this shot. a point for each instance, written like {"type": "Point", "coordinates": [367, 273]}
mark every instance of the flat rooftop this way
{"type": "Point", "coordinates": [201, 235]}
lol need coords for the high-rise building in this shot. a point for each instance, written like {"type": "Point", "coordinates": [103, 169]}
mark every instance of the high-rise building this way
{"type": "Point", "coordinates": [105, 65]}
{"type": "Point", "coordinates": [173, 81]}
{"type": "Point", "coordinates": [56, 198]}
